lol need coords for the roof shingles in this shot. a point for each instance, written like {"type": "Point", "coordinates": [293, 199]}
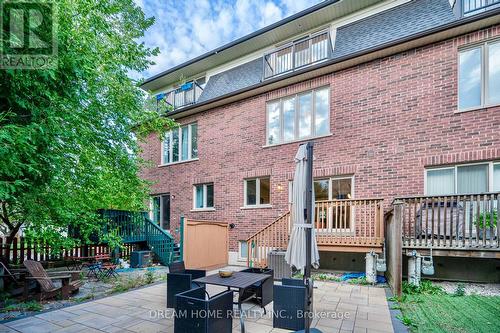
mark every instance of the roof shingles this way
{"type": "Point", "coordinates": [388, 26]}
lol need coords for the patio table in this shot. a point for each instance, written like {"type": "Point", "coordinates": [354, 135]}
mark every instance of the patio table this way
{"type": "Point", "coordinates": [239, 281]}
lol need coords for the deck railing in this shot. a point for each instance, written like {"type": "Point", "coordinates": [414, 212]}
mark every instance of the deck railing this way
{"type": "Point", "coordinates": [350, 222]}
{"type": "Point", "coordinates": [349, 225]}
{"type": "Point", "coordinates": [297, 55]}
{"type": "Point", "coordinates": [476, 6]}
{"type": "Point", "coordinates": [272, 237]}
{"type": "Point", "coordinates": [462, 221]}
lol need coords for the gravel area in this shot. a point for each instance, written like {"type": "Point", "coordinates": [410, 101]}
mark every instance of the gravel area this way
{"type": "Point", "coordinates": [483, 289]}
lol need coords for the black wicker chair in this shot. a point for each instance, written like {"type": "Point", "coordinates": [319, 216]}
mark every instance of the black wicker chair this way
{"type": "Point", "coordinates": [200, 314]}
{"type": "Point", "coordinates": [179, 279]}
{"type": "Point", "coordinates": [261, 292]}
{"type": "Point", "coordinates": [290, 304]}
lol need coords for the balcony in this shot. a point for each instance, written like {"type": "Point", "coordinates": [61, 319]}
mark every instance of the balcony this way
{"type": "Point", "coordinates": [298, 54]}
{"type": "Point", "coordinates": [186, 94]}
{"type": "Point", "coordinates": [471, 7]}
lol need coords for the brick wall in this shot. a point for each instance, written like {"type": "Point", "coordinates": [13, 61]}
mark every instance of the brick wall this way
{"type": "Point", "coordinates": [389, 119]}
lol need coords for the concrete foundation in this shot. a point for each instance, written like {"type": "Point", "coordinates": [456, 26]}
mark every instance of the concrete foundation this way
{"type": "Point", "coordinates": [340, 261]}
{"type": "Point", "coordinates": [462, 269]}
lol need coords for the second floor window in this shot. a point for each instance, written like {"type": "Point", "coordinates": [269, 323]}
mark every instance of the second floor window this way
{"type": "Point", "coordinates": [299, 116]}
{"type": "Point", "coordinates": [180, 144]}
{"type": "Point", "coordinates": [479, 76]}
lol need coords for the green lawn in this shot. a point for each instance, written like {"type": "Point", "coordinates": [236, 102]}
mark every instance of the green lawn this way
{"type": "Point", "coordinates": [440, 312]}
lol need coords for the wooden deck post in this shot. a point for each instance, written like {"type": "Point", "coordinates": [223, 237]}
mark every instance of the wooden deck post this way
{"type": "Point", "coordinates": [394, 248]}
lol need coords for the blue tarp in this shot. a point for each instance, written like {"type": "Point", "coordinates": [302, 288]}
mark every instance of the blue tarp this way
{"type": "Point", "coordinates": [123, 270]}
{"type": "Point", "coordinates": [349, 276]}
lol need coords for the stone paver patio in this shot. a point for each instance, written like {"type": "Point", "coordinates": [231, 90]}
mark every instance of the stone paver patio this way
{"type": "Point", "coordinates": [339, 308]}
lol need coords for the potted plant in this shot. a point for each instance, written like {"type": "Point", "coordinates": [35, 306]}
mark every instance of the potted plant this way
{"type": "Point", "coordinates": [486, 221]}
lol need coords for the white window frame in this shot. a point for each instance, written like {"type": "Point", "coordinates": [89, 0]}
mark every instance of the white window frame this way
{"type": "Point", "coordinates": [455, 167]}
{"type": "Point", "coordinates": [352, 227]}
{"type": "Point", "coordinates": [171, 150]}
{"type": "Point", "coordinates": [296, 115]}
{"type": "Point", "coordinates": [257, 193]}
{"type": "Point", "coordinates": [484, 46]}
{"type": "Point", "coordinates": [205, 197]}
{"type": "Point", "coordinates": [240, 257]}
{"type": "Point", "coordinates": [151, 208]}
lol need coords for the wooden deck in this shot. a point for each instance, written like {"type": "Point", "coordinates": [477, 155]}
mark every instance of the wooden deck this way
{"type": "Point", "coordinates": [352, 225]}
{"type": "Point", "coordinates": [452, 225]}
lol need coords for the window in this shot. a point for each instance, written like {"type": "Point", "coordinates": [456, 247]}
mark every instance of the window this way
{"type": "Point", "coordinates": [463, 179]}
{"type": "Point", "coordinates": [496, 177]}
{"type": "Point", "coordinates": [203, 196]}
{"type": "Point", "coordinates": [160, 210]}
{"type": "Point", "coordinates": [180, 144]}
{"type": "Point", "coordinates": [336, 188]}
{"type": "Point", "coordinates": [257, 192]}
{"type": "Point", "coordinates": [479, 76]}
{"type": "Point", "coordinates": [298, 117]}
{"type": "Point", "coordinates": [243, 250]}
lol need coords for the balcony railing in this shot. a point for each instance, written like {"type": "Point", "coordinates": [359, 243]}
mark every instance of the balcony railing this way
{"type": "Point", "coordinates": [298, 54]}
{"type": "Point", "coordinates": [185, 95]}
{"type": "Point", "coordinates": [476, 6]}
{"type": "Point", "coordinates": [455, 222]}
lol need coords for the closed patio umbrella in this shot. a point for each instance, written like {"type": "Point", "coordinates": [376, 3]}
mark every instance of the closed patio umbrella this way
{"type": "Point", "coordinates": [302, 251]}
{"type": "Point", "coordinates": [296, 251]}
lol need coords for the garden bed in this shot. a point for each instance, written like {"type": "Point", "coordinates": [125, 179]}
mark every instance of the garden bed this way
{"type": "Point", "coordinates": [128, 279]}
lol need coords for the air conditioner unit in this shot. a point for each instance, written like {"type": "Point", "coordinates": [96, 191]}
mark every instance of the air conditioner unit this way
{"type": "Point", "coordinates": [276, 262]}
{"type": "Point", "coordinates": [140, 259]}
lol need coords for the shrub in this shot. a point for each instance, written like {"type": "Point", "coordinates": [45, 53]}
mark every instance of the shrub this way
{"type": "Point", "coordinates": [426, 287]}
{"type": "Point", "coordinates": [486, 219]}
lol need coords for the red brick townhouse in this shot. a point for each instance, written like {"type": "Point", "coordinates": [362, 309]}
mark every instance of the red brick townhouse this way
{"type": "Point", "coordinates": [402, 100]}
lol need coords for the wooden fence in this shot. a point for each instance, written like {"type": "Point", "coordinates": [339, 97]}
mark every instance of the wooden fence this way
{"type": "Point", "coordinates": [22, 249]}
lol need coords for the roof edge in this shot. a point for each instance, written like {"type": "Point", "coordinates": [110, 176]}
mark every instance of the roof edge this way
{"type": "Point", "coordinates": [422, 34]}
{"type": "Point", "coordinates": [245, 38]}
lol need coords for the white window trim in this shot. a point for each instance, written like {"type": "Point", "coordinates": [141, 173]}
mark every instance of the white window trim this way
{"type": "Point", "coordinates": [171, 150]}
{"type": "Point", "coordinates": [297, 118]}
{"type": "Point", "coordinates": [484, 47]}
{"type": "Point", "coordinates": [240, 258]}
{"type": "Point", "coordinates": [151, 207]}
{"type": "Point", "coordinates": [489, 176]}
{"type": "Point", "coordinates": [257, 194]}
{"type": "Point", "coordinates": [204, 208]}
{"type": "Point", "coordinates": [352, 228]}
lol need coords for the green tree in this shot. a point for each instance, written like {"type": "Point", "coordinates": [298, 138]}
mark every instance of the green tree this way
{"type": "Point", "coordinates": [69, 135]}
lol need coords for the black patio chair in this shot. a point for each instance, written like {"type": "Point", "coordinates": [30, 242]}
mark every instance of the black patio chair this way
{"type": "Point", "coordinates": [198, 313]}
{"type": "Point", "coordinates": [179, 279]}
{"type": "Point", "coordinates": [290, 304]}
{"type": "Point", "coordinates": [261, 292]}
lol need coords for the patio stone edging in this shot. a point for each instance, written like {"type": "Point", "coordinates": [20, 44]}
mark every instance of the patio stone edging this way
{"type": "Point", "coordinates": [397, 324]}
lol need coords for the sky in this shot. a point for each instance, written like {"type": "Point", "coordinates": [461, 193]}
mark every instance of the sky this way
{"type": "Point", "coordinates": [184, 29]}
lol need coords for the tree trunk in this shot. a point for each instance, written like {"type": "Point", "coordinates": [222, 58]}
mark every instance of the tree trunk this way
{"type": "Point", "coordinates": [8, 243]}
